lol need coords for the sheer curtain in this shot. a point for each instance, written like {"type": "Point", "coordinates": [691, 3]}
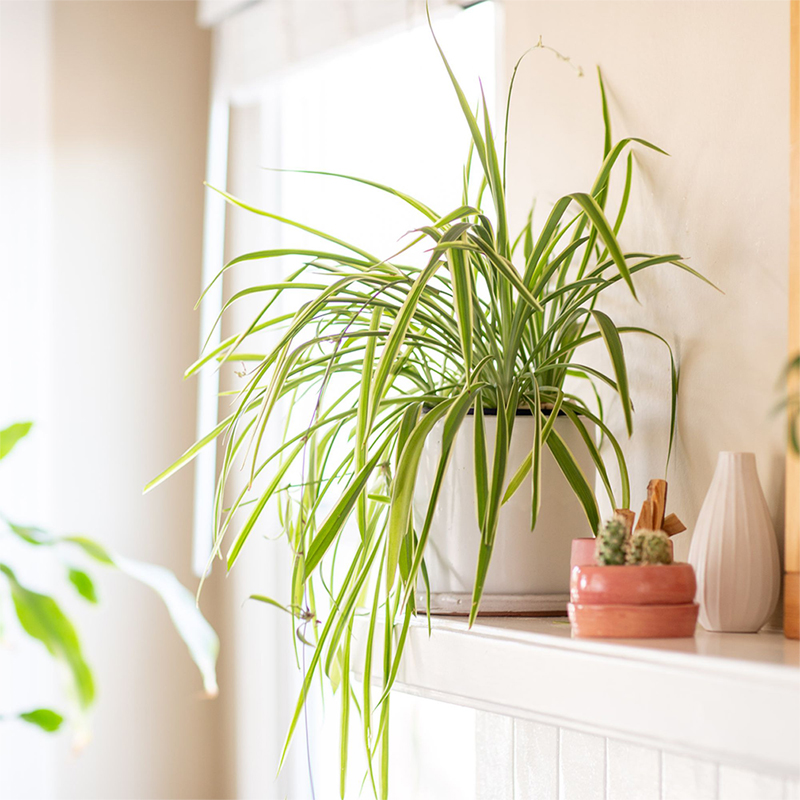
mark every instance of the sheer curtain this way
{"type": "Point", "coordinates": [380, 107]}
{"type": "Point", "coordinates": [26, 674]}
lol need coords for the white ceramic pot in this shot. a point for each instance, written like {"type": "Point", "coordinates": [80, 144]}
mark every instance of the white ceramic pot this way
{"type": "Point", "coordinates": [529, 571]}
{"type": "Point", "coordinates": [734, 550]}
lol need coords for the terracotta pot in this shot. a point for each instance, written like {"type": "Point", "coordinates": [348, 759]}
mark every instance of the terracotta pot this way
{"type": "Point", "coordinates": [582, 552]}
{"type": "Point", "coordinates": [659, 584]}
{"type": "Point", "coordinates": [633, 622]}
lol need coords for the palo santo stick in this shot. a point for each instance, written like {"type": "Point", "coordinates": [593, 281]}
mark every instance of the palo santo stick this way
{"type": "Point", "coordinates": [645, 517]}
{"type": "Point", "coordinates": [627, 515]}
{"type": "Point", "coordinates": [657, 495]}
{"type": "Point", "coordinates": [672, 525]}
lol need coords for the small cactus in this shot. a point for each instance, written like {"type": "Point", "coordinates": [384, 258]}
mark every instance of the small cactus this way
{"type": "Point", "coordinates": [649, 547]}
{"type": "Point", "coordinates": [612, 543]}
{"type": "Point", "coordinates": [635, 546]}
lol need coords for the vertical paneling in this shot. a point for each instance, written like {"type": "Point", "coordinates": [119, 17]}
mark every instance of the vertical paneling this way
{"type": "Point", "coordinates": [494, 750]}
{"type": "Point", "coordinates": [535, 761]}
{"type": "Point", "coordinates": [432, 752]}
{"type": "Point", "coordinates": [525, 760]}
{"type": "Point", "coordinates": [582, 766]}
{"type": "Point", "coordinates": [741, 784]}
{"type": "Point", "coordinates": [632, 771]}
{"type": "Point", "coordinates": [683, 778]}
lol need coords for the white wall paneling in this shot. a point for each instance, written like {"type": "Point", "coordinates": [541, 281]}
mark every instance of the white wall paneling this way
{"type": "Point", "coordinates": [631, 771]}
{"type": "Point", "coordinates": [536, 748]}
{"type": "Point", "coordinates": [587, 766]}
{"type": "Point", "coordinates": [683, 777]}
{"type": "Point", "coordinates": [495, 751]}
{"type": "Point", "coordinates": [581, 766]}
{"type": "Point", "coordinates": [741, 784]}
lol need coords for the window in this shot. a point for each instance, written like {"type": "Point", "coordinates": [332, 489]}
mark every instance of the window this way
{"type": "Point", "coordinates": [380, 108]}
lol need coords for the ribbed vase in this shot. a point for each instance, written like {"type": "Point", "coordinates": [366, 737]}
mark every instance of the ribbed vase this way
{"type": "Point", "coordinates": [734, 550]}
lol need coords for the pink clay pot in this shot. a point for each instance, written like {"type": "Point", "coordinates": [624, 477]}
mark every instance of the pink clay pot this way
{"type": "Point", "coordinates": [582, 553]}
{"type": "Point", "coordinates": [633, 622]}
{"type": "Point", "coordinates": [658, 584]}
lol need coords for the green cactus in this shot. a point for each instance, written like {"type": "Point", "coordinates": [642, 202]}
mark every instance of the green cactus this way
{"type": "Point", "coordinates": [635, 546]}
{"type": "Point", "coordinates": [649, 547]}
{"type": "Point", "coordinates": [612, 543]}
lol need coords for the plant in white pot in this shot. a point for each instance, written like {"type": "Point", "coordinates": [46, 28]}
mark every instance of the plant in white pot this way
{"type": "Point", "coordinates": [432, 354]}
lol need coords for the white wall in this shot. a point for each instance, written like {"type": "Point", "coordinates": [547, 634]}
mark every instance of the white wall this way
{"type": "Point", "coordinates": [129, 114]}
{"type": "Point", "coordinates": [708, 82]}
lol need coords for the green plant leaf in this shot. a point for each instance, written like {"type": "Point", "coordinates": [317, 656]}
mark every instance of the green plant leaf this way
{"type": "Point", "coordinates": [403, 489]}
{"type": "Point", "coordinates": [44, 718]}
{"type": "Point", "coordinates": [481, 468]}
{"type": "Point", "coordinates": [598, 219]}
{"type": "Point", "coordinates": [197, 634]}
{"type": "Point", "coordinates": [266, 495]}
{"type": "Point", "coordinates": [269, 601]}
{"type": "Point", "coordinates": [29, 533]}
{"type": "Point", "coordinates": [338, 515]}
{"type": "Point", "coordinates": [11, 435]}
{"type": "Point", "coordinates": [577, 480]}
{"type": "Point", "coordinates": [613, 343]}
{"type": "Point", "coordinates": [417, 204]}
{"type": "Point", "coordinates": [92, 549]}
{"type": "Point", "coordinates": [42, 618]}
{"type": "Point", "coordinates": [83, 584]}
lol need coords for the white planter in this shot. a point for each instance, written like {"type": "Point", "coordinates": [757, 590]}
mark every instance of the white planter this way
{"type": "Point", "coordinates": [734, 551]}
{"type": "Point", "coordinates": [529, 571]}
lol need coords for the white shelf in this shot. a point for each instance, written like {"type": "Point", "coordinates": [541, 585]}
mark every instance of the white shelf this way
{"type": "Point", "coordinates": [731, 698]}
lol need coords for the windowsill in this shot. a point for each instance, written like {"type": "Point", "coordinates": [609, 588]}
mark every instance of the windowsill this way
{"type": "Point", "coordinates": [731, 698]}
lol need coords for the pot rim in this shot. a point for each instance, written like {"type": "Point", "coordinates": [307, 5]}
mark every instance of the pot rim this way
{"type": "Point", "coordinates": [630, 567]}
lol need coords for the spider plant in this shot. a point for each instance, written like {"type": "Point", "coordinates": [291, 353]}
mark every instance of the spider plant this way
{"type": "Point", "coordinates": [466, 319]}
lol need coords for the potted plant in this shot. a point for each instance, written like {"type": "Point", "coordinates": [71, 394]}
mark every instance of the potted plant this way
{"type": "Point", "coordinates": [430, 356]}
{"type": "Point", "coordinates": [635, 591]}
{"type": "Point", "coordinates": [26, 550]}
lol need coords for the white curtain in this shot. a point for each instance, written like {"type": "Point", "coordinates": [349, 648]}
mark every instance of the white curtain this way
{"type": "Point", "coordinates": [26, 757]}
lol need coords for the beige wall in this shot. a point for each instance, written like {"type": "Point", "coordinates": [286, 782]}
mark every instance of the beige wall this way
{"type": "Point", "coordinates": [129, 116]}
{"type": "Point", "coordinates": [708, 82]}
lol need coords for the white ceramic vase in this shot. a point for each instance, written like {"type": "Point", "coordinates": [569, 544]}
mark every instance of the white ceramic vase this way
{"type": "Point", "coordinates": [734, 550]}
{"type": "Point", "coordinates": [529, 571]}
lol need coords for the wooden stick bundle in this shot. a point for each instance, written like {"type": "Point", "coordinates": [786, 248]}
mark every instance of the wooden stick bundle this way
{"type": "Point", "coordinates": [652, 516]}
